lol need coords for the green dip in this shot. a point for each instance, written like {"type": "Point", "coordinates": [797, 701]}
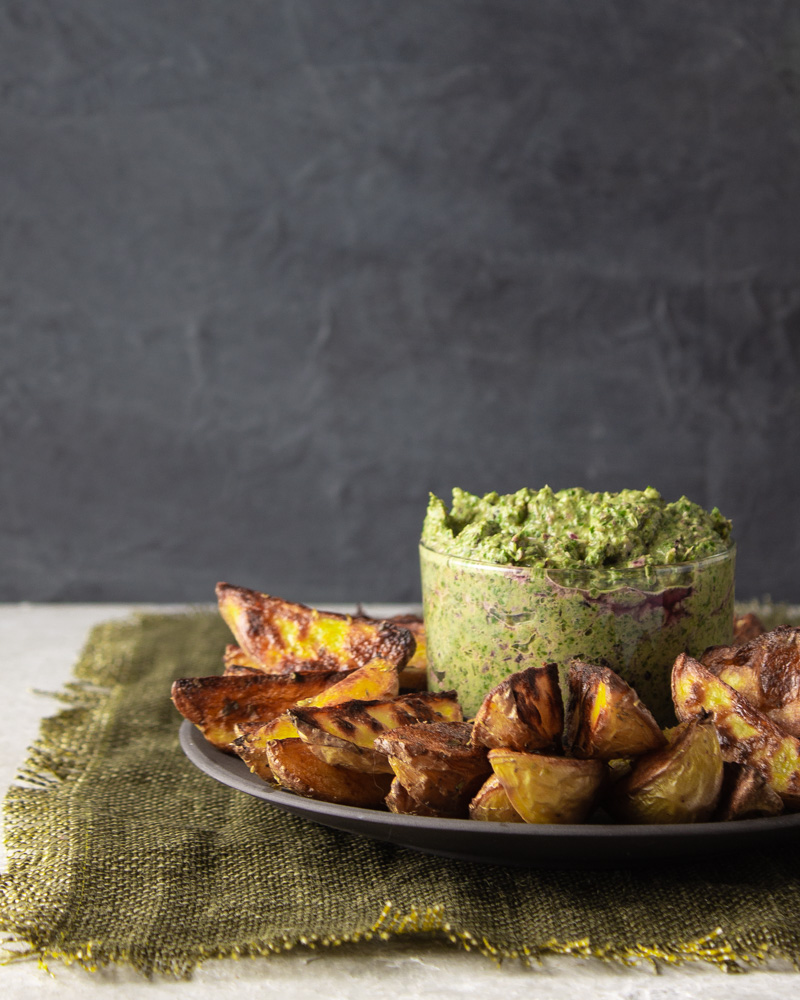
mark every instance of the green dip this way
{"type": "Point", "coordinates": [624, 579]}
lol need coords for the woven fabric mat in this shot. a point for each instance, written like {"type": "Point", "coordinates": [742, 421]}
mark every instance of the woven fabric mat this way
{"type": "Point", "coordinates": [122, 851]}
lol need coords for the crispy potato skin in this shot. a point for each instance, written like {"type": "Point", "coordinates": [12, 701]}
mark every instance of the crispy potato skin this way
{"type": "Point", "coordinates": [679, 783]}
{"type": "Point", "coordinates": [216, 705]}
{"type": "Point", "coordinates": [605, 718]}
{"type": "Point", "coordinates": [766, 670]}
{"type": "Point", "coordinates": [362, 722]}
{"type": "Point", "coordinates": [401, 802]}
{"type": "Point", "coordinates": [437, 764]}
{"type": "Point", "coordinates": [377, 678]}
{"type": "Point", "coordinates": [236, 661]}
{"type": "Point", "coordinates": [787, 717]}
{"type": "Point", "coordinates": [280, 636]}
{"type": "Point", "coordinates": [746, 735]}
{"type": "Point", "coordinates": [745, 794]}
{"type": "Point", "coordinates": [523, 712]}
{"type": "Point", "coordinates": [296, 767]}
{"type": "Point", "coordinates": [546, 789]}
{"type": "Point", "coordinates": [415, 625]}
{"type": "Point", "coordinates": [747, 627]}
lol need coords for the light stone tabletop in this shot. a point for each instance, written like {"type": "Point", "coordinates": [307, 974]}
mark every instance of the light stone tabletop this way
{"type": "Point", "coordinates": [38, 647]}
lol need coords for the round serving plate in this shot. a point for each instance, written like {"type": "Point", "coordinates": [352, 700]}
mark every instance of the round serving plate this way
{"type": "Point", "coordinates": [595, 844]}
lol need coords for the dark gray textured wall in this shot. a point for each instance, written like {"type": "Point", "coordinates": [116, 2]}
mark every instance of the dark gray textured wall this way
{"type": "Point", "coordinates": [270, 271]}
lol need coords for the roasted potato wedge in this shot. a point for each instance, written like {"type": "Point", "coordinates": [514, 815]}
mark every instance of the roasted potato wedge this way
{"type": "Point", "coordinates": [352, 756]}
{"type": "Point", "coordinates": [353, 726]}
{"type": "Point", "coordinates": [281, 637]}
{"type": "Point", "coordinates": [296, 767]}
{"type": "Point", "coordinates": [679, 783]}
{"type": "Point", "coordinates": [236, 661]}
{"type": "Point", "coordinates": [400, 801]}
{"type": "Point", "coordinates": [546, 789]}
{"type": "Point", "coordinates": [746, 795]}
{"type": "Point", "coordinates": [766, 670]}
{"type": "Point", "coordinates": [787, 717]}
{"type": "Point", "coordinates": [437, 764]}
{"type": "Point", "coordinates": [361, 722]}
{"type": "Point", "coordinates": [605, 718]}
{"type": "Point", "coordinates": [414, 675]}
{"type": "Point", "coordinates": [217, 705]}
{"type": "Point", "coordinates": [746, 735]}
{"type": "Point", "coordinates": [746, 627]}
{"type": "Point", "coordinates": [376, 678]}
{"type": "Point", "coordinates": [415, 625]}
{"type": "Point", "coordinates": [492, 804]}
{"type": "Point", "coordinates": [251, 746]}
{"type": "Point", "coordinates": [523, 712]}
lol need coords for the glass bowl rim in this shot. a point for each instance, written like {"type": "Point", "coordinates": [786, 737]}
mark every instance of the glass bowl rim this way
{"type": "Point", "coordinates": [620, 573]}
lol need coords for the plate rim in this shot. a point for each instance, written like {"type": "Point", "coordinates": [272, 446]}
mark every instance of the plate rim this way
{"type": "Point", "coordinates": [231, 771]}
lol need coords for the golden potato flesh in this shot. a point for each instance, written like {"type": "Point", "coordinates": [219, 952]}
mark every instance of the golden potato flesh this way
{"type": "Point", "coordinates": [523, 712]}
{"type": "Point", "coordinates": [217, 705]}
{"type": "Point", "coordinates": [378, 677]}
{"type": "Point", "coordinates": [280, 636]}
{"type": "Point", "coordinates": [295, 767]}
{"type": "Point", "coordinates": [746, 735]}
{"type": "Point", "coordinates": [678, 784]}
{"type": "Point", "coordinates": [492, 804]}
{"type": "Point", "coordinates": [605, 718]}
{"type": "Point", "coordinates": [361, 722]}
{"type": "Point", "coordinates": [437, 764]}
{"type": "Point", "coordinates": [544, 789]}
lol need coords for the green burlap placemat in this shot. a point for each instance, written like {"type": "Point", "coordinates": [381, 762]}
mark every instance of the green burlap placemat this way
{"type": "Point", "coordinates": [121, 851]}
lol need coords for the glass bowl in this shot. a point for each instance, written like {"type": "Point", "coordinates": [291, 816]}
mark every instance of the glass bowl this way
{"type": "Point", "coordinates": [484, 621]}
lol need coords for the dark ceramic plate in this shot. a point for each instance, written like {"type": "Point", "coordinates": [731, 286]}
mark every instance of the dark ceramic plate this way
{"type": "Point", "coordinates": [590, 845]}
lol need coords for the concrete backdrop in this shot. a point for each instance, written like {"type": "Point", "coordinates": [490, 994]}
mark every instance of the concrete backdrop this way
{"type": "Point", "coordinates": [271, 271]}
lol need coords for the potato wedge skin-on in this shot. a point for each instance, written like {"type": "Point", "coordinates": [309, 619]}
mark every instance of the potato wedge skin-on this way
{"type": "Point", "coordinates": [295, 767]}
{"type": "Point", "coordinates": [746, 735]}
{"type": "Point", "coordinates": [746, 795]}
{"type": "Point", "coordinates": [546, 789]}
{"type": "Point", "coordinates": [361, 722]}
{"type": "Point", "coordinates": [251, 747]}
{"type": "Point", "coordinates": [766, 670]}
{"type": "Point", "coordinates": [281, 636]}
{"type": "Point", "coordinates": [679, 783]}
{"type": "Point", "coordinates": [746, 627]}
{"type": "Point", "coordinates": [523, 712]}
{"type": "Point", "coordinates": [349, 755]}
{"type": "Point", "coordinates": [492, 804]}
{"type": "Point", "coordinates": [353, 726]}
{"type": "Point", "coordinates": [787, 717]}
{"type": "Point", "coordinates": [401, 802]}
{"type": "Point", "coordinates": [414, 675]}
{"type": "Point", "coordinates": [437, 764]}
{"type": "Point", "coordinates": [217, 704]}
{"type": "Point", "coordinates": [605, 718]}
{"type": "Point", "coordinates": [377, 678]}
{"type": "Point", "coordinates": [236, 661]}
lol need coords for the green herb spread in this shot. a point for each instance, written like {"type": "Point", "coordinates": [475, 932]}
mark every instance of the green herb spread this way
{"type": "Point", "coordinates": [623, 579]}
{"type": "Point", "coordinates": [574, 527]}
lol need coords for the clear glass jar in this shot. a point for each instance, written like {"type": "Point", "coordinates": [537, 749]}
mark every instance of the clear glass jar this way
{"type": "Point", "coordinates": [485, 621]}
